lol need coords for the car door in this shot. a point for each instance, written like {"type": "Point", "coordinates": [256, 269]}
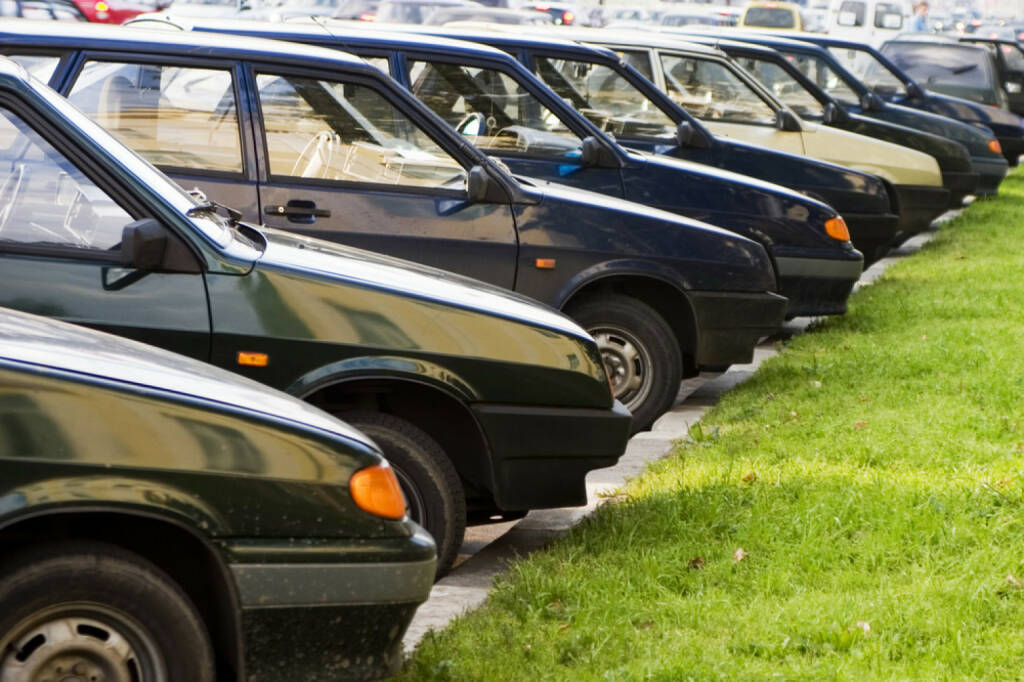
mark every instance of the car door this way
{"type": "Point", "coordinates": [1011, 69]}
{"type": "Point", "coordinates": [181, 114]}
{"type": "Point", "coordinates": [505, 118]}
{"type": "Point", "coordinates": [341, 160]}
{"type": "Point", "coordinates": [61, 222]}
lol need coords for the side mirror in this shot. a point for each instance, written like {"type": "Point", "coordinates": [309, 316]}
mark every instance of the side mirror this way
{"type": "Point", "coordinates": [143, 244]}
{"type": "Point", "coordinates": [595, 154]}
{"type": "Point", "coordinates": [481, 188]}
{"type": "Point", "coordinates": [688, 135]}
{"type": "Point", "coordinates": [788, 121]}
{"type": "Point", "coordinates": [914, 91]}
{"type": "Point", "coordinates": [869, 101]}
{"type": "Point", "coordinates": [835, 114]}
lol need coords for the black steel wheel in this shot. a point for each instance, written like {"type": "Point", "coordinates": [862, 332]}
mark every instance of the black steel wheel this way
{"type": "Point", "coordinates": [90, 612]}
{"type": "Point", "coordinates": [433, 492]}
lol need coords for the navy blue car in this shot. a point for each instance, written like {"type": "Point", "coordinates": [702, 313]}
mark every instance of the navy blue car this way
{"type": "Point", "coordinates": [321, 143]}
{"type": "Point", "coordinates": [491, 99]}
{"type": "Point", "coordinates": [948, 117]}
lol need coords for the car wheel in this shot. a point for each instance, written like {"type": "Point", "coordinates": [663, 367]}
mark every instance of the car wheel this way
{"type": "Point", "coordinates": [91, 611]}
{"type": "Point", "coordinates": [433, 492]}
{"type": "Point", "coordinates": [640, 353]}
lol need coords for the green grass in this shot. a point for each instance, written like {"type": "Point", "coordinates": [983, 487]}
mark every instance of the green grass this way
{"type": "Point", "coordinates": [873, 473]}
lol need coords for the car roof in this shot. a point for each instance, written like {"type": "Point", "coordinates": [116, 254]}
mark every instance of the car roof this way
{"type": "Point", "coordinates": [631, 37]}
{"type": "Point", "coordinates": [724, 44]}
{"type": "Point", "coordinates": [742, 36]}
{"type": "Point", "coordinates": [515, 35]}
{"type": "Point", "coordinates": [109, 37]}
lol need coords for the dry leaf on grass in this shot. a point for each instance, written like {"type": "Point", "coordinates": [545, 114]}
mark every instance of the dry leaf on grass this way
{"type": "Point", "coordinates": [696, 563]}
{"type": "Point", "coordinates": [861, 424]}
{"type": "Point", "coordinates": [739, 555]}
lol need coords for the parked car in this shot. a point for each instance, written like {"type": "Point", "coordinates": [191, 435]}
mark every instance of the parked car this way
{"type": "Point", "coordinates": [771, 14]}
{"type": "Point", "coordinates": [497, 15]}
{"type": "Point", "coordinates": [494, 101]}
{"type": "Point", "coordinates": [47, 10]}
{"type": "Point", "coordinates": [823, 60]}
{"type": "Point", "coordinates": [1009, 60]}
{"type": "Point", "coordinates": [561, 14]}
{"type": "Point", "coordinates": [733, 103]}
{"type": "Point", "coordinates": [879, 75]}
{"type": "Point", "coordinates": [868, 21]}
{"type": "Point", "coordinates": [416, 11]}
{"type": "Point", "coordinates": [618, 99]}
{"type": "Point", "coordinates": [481, 399]}
{"type": "Point", "coordinates": [167, 520]}
{"type": "Point", "coordinates": [115, 11]}
{"type": "Point", "coordinates": [811, 103]}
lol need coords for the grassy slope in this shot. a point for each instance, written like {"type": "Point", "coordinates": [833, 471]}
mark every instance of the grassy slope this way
{"type": "Point", "coordinates": [874, 474]}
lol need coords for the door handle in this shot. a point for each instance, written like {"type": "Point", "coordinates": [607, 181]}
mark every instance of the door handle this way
{"type": "Point", "coordinates": [298, 211]}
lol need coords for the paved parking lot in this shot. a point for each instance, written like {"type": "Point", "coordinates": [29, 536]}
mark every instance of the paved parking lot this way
{"type": "Point", "coordinates": [488, 549]}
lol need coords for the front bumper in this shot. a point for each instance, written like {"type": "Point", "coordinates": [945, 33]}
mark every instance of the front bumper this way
{"type": "Point", "coordinates": [960, 184]}
{"type": "Point", "coordinates": [918, 206]}
{"type": "Point", "coordinates": [729, 324]}
{"type": "Point", "coordinates": [541, 455]}
{"type": "Point", "coordinates": [817, 286]}
{"type": "Point", "coordinates": [307, 617]}
{"type": "Point", "coordinates": [871, 233]}
{"type": "Point", "coordinates": [991, 171]}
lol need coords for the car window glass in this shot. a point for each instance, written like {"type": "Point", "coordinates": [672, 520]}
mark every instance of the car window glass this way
{"type": "Point", "coordinates": [46, 201]}
{"type": "Point", "coordinates": [325, 130]}
{"type": "Point", "coordinates": [40, 66]}
{"type": "Point", "coordinates": [851, 13]}
{"type": "Point", "coordinates": [710, 91]}
{"type": "Point", "coordinates": [1014, 57]}
{"type": "Point", "coordinates": [785, 87]}
{"type": "Point", "coordinates": [605, 97]}
{"type": "Point", "coordinates": [868, 69]}
{"type": "Point", "coordinates": [174, 116]}
{"type": "Point", "coordinates": [641, 61]}
{"type": "Point", "coordinates": [769, 17]}
{"type": "Point", "coordinates": [888, 16]}
{"type": "Point", "coordinates": [382, 63]}
{"type": "Point", "coordinates": [492, 109]}
{"type": "Point", "coordinates": [942, 66]}
{"type": "Point", "coordinates": [822, 75]}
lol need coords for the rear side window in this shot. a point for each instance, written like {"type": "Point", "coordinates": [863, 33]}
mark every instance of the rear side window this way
{"type": "Point", "coordinates": [40, 66]}
{"type": "Point", "coordinates": [851, 13]}
{"type": "Point", "coordinates": [46, 201]}
{"type": "Point", "coordinates": [174, 116]}
{"type": "Point", "coordinates": [710, 91]}
{"type": "Point", "coordinates": [785, 87]}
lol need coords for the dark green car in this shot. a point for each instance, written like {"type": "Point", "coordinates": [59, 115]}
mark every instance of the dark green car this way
{"type": "Point", "coordinates": [486, 403]}
{"type": "Point", "coordinates": [162, 520]}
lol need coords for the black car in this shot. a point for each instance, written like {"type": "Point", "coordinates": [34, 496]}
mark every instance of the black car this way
{"type": "Point", "coordinates": [1009, 60]}
{"type": "Point", "coordinates": [492, 100]}
{"type": "Point", "coordinates": [620, 100]}
{"type": "Point", "coordinates": [484, 401]}
{"type": "Point", "coordinates": [163, 519]}
{"type": "Point", "coordinates": [811, 103]}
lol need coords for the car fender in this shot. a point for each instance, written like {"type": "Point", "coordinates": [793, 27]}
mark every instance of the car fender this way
{"type": "Point", "coordinates": [384, 367]}
{"type": "Point", "coordinates": [641, 269]}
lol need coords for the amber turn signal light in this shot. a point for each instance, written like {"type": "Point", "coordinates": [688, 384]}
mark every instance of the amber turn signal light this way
{"type": "Point", "coordinates": [836, 228]}
{"type": "Point", "coordinates": [250, 359]}
{"type": "Point", "coordinates": [375, 489]}
{"type": "Point", "coordinates": [994, 146]}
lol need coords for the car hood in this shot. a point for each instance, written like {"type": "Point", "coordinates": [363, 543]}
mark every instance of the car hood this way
{"type": "Point", "coordinates": [974, 137]}
{"type": "Point", "coordinates": [966, 109]}
{"type": "Point", "coordinates": [329, 260]}
{"type": "Point", "coordinates": [32, 340]}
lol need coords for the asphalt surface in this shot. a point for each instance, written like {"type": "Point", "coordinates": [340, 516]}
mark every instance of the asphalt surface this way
{"type": "Point", "coordinates": [488, 549]}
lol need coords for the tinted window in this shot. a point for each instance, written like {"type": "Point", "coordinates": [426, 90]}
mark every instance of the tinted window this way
{"type": "Point", "coordinates": [823, 75]}
{"type": "Point", "coordinates": [180, 117]}
{"type": "Point", "coordinates": [1014, 57]}
{"type": "Point", "coordinates": [40, 66]}
{"type": "Point", "coordinates": [868, 69]}
{"type": "Point", "coordinates": [936, 66]}
{"type": "Point", "coordinates": [888, 16]}
{"type": "Point", "coordinates": [710, 91]}
{"type": "Point", "coordinates": [324, 130]}
{"type": "Point", "coordinates": [605, 97]}
{"type": "Point", "coordinates": [768, 17]}
{"type": "Point", "coordinates": [784, 86]}
{"type": "Point", "coordinates": [493, 109]}
{"type": "Point", "coordinates": [47, 201]}
{"type": "Point", "coordinates": [851, 13]}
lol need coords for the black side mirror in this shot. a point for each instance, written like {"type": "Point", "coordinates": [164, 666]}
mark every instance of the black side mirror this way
{"type": "Point", "coordinates": [914, 91]}
{"type": "Point", "coordinates": [595, 154]}
{"type": "Point", "coordinates": [869, 101]}
{"type": "Point", "coordinates": [688, 135]}
{"type": "Point", "coordinates": [788, 121]}
{"type": "Point", "coordinates": [482, 188]}
{"type": "Point", "coordinates": [835, 114]}
{"type": "Point", "coordinates": [143, 244]}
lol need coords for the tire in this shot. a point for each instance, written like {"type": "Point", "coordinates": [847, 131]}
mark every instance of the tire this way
{"type": "Point", "coordinates": [64, 604]}
{"type": "Point", "coordinates": [640, 351]}
{"type": "Point", "coordinates": [433, 491]}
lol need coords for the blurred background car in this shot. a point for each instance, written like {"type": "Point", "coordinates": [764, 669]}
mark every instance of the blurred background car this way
{"type": "Point", "coordinates": [484, 15]}
{"type": "Point", "coordinates": [772, 14]}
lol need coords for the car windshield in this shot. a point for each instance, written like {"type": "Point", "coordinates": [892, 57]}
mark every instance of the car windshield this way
{"type": "Point", "coordinates": [823, 75]}
{"type": "Point", "coordinates": [953, 69]}
{"type": "Point", "coordinates": [784, 86]}
{"type": "Point", "coordinates": [869, 69]}
{"type": "Point", "coordinates": [709, 90]}
{"type": "Point", "coordinates": [605, 97]}
{"type": "Point", "coordinates": [493, 109]}
{"type": "Point", "coordinates": [769, 17]}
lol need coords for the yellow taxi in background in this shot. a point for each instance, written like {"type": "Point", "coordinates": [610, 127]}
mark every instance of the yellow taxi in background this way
{"type": "Point", "coordinates": [769, 14]}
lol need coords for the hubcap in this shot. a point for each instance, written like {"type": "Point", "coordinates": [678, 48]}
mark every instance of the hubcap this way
{"type": "Point", "coordinates": [80, 643]}
{"type": "Point", "coordinates": [415, 507]}
{"type": "Point", "coordinates": [627, 363]}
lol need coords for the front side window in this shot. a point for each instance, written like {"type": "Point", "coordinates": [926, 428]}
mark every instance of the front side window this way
{"type": "Point", "coordinates": [46, 201]}
{"type": "Point", "coordinates": [868, 69]}
{"type": "Point", "coordinates": [851, 13]}
{"type": "Point", "coordinates": [323, 130]}
{"type": "Point", "coordinates": [40, 66]}
{"type": "Point", "coordinates": [784, 86]}
{"type": "Point", "coordinates": [824, 76]}
{"type": "Point", "coordinates": [174, 116]}
{"type": "Point", "coordinates": [493, 109]}
{"type": "Point", "coordinates": [605, 97]}
{"type": "Point", "coordinates": [710, 91]}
